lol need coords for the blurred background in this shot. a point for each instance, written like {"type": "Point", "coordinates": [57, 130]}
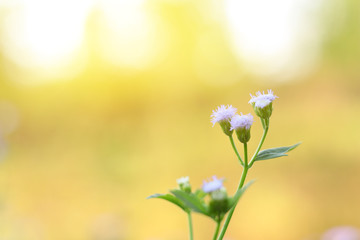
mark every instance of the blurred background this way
{"type": "Point", "coordinates": [103, 103]}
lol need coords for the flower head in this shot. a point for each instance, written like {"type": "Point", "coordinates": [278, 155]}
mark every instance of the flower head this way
{"type": "Point", "coordinates": [223, 113]}
{"type": "Point", "coordinates": [262, 103]}
{"type": "Point", "coordinates": [215, 184]}
{"type": "Point", "coordinates": [263, 99]}
{"type": "Point", "coordinates": [182, 180]}
{"type": "Point", "coordinates": [184, 184]}
{"type": "Point", "coordinates": [243, 121]}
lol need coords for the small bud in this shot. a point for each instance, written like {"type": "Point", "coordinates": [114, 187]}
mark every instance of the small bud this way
{"type": "Point", "coordinates": [184, 184]}
{"type": "Point", "coordinates": [241, 125]}
{"type": "Point", "coordinates": [219, 202]}
{"type": "Point", "coordinates": [223, 115]}
{"type": "Point", "coordinates": [262, 103]}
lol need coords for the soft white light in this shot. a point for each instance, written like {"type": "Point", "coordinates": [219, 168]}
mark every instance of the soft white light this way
{"type": "Point", "coordinates": [45, 35]}
{"type": "Point", "coordinates": [270, 36]}
{"type": "Point", "coordinates": [130, 37]}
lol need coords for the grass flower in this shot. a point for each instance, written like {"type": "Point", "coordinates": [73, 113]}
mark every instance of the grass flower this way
{"type": "Point", "coordinates": [182, 180]}
{"type": "Point", "coordinates": [241, 121]}
{"type": "Point", "coordinates": [223, 115]}
{"type": "Point", "coordinates": [262, 103]}
{"type": "Point", "coordinates": [241, 125]}
{"type": "Point", "coordinates": [184, 184]}
{"type": "Point", "coordinates": [215, 184]}
{"type": "Point", "coordinates": [262, 99]}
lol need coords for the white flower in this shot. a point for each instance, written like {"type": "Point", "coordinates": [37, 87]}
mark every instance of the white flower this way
{"type": "Point", "coordinates": [243, 121]}
{"type": "Point", "coordinates": [215, 184]}
{"type": "Point", "coordinates": [223, 113]}
{"type": "Point", "coordinates": [263, 99]}
{"type": "Point", "coordinates": [182, 180]}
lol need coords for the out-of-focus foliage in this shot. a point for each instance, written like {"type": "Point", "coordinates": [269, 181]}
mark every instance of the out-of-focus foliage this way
{"type": "Point", "coordinates": [98, 100]}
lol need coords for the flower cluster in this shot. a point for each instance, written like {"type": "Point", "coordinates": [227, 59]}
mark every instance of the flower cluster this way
{"type": "Point", "coordinates": [230, 121]}
{"type": "Point", "coordinates": [211, 199]}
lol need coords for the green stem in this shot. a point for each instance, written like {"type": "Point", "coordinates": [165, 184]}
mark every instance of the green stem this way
{"type": "Point", "coordinates": [265, 123]}
{"type": "Point", "coordinates": [245, 154]}
{"type": "Point", "coordinates": [190, 227]}
{"type": "Point", "coordinates": [241, 183]}
{"type": "Point", "coordinates": [216, 230]}
{"type": "Point", "coordinates": [235, 150]}
{"type": "Point", "coordinates": [228, 218]}
{"type": "Point", "coordinates": [266, 128]}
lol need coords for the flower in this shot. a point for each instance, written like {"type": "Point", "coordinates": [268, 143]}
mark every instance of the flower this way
{"type": "Point", "coordinates": [223, 113]}
{"type": "Point", "coordinates": [241, 125]}
{"type": "Point", "coordinates": [184, 184]}
{"type": "Point", "coordinates": [215, 184]}
{"type": "Point", "coordinates": [243, 121]}
{"type": "Point", "coordinates": [182, 180]}
{"type": "Point", "coordinates": [262, 103]}
{"type": "Point", "coordinates": [262, 99]}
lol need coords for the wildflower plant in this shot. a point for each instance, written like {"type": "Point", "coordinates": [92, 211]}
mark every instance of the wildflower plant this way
{"type": "Point", "coordinates": [212, 199]}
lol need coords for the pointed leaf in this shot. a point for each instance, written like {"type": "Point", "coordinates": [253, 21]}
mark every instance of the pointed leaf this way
{"type": "Point", "coordinates": [233, 201]}
{"type": "Point", "coordinates": [200, 193]}
{"type": "Point", "coordinates": [191, 201]}
{"type": "Point", "coordinates": [170, 198]}
{"type": "Point", "coordinates": [274, 152]}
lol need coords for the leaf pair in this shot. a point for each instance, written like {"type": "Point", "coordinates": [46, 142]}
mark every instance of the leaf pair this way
{"type": "Point", "coordinates": [195, 201]}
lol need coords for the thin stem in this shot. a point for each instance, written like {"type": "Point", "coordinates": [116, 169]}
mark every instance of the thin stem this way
{"type": "Point", "coordinates": [228, 218]}
{"type": "Point", "coordinates": [241, 183]}
{"type": "Point", "coordinates": [235, 150]}
{"type": "Point", "coordinates": [262, 123]}
{"type": "Point", "coordinates": [216, 230]}
{"type": "Point", "coordinates": [190, 227]}
{"type": "Point", "coordinates": [265, 123]}
{"type": "Point", "coordinates": [260, 143]}
{"type": "Point", "coordinates": [245, 154]}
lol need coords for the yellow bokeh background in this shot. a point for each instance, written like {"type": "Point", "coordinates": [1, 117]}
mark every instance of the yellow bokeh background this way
{"type": "Point", "coordinates": [103, 103]}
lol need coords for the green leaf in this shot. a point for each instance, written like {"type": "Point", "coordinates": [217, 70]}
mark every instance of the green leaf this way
{"type": "Point", "coordinates": [233, 201]}
{"type": "Point", "coordinates": [274, 152]}
{"type": "Point", "coordinates": [170, 198]}
{"type": "Point", "coordinates": [191, 201]}
{"type": "Point", "coordinates": [200, 193]}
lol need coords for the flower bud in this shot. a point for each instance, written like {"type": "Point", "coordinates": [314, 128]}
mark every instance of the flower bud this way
{"type": "Point", "coordinates": [219, 202]}
{"type": "Point", "coordinates": [184, 184]}
{"type": "Point", "coordinates": [223, 115]}
{"type": "Point", "coordinates": [241, 125]}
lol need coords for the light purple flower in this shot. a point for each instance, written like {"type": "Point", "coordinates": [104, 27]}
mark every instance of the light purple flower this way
{"type": "Point", "coordinates": [342, 233]}
{"type": "Point", "coordinates": [223, 113]}
{"type": "Point", "coordinates": [263, 99]}
{"type": "Point", "coordinates": [243, 121]}
{"type": "Point", "coordinates": [213, 185]}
